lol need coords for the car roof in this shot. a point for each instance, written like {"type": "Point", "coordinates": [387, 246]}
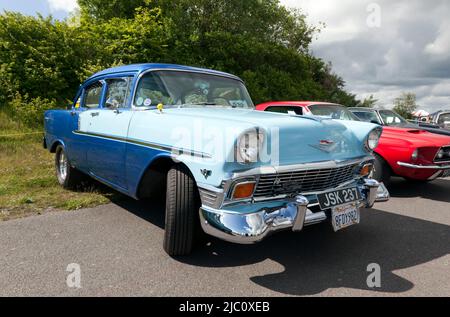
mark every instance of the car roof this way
{"type": "Point", "coordinates": [296, 103]}
{"type": "Point", "coordinates": [140, 68]}
{"type": "Point", "coordinates": [363, 109]}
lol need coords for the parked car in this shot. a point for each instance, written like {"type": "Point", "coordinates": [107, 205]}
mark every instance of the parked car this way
{"type": "Point", "coordinates": [391, 118]}
{"type": "Point", "coordinates": [442, 119]}
{"type": "Point", "coordinates": [140, 128]}
{"type": "Point", "coordinates": [408, 152]}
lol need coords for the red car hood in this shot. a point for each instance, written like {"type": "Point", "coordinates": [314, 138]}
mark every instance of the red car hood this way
{"type": "Point", "coordinates": [416, 137]}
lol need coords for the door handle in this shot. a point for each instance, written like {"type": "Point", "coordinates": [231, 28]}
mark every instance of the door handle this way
{"type": "Point", "coordinates": [95, 114]}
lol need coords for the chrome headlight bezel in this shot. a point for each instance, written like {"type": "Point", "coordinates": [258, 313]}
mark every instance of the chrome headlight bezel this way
{"type": "Point", "coordinates": [373, 139]}
{"type": "Point", "coordinates": [249, 145]}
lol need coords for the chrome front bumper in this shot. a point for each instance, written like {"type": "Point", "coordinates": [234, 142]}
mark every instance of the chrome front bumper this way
{"type": "Point", "coordinates": [248, 228]}
{"type": "Point", "coordinates": [425, 167]}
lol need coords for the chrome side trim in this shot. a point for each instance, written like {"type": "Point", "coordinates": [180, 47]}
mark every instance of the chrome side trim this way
{"type": "Point", "coordinates": [425, 167]}
{"type": "Point", "coordinates": [155, 146]}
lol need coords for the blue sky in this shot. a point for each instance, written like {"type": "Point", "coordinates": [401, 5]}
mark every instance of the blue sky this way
{"type": "Point", "coordinates": [405, 49]}
{"type": "Point", "coordinates": [58, 8]}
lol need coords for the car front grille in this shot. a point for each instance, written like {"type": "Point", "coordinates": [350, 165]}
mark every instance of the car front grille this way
{"type": "Point", "coordinates": [446, 157]}
{"type": "Point", "coordinates": [304, 181]}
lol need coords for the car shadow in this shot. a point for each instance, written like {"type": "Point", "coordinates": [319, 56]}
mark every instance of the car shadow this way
{"type": "Point", "coordinates": [319, 259]}
{"type": "Point", "coordinates": [438, 189]}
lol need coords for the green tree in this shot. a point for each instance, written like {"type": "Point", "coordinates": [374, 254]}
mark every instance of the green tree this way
{"type": "Point", "coordinates": [106, 10]}
{"type": "Point", "coordinates": [369, 102]}
{"type": "Point", "coordinates": [405, 105]}
{"type": "Point", "coordinates": [43, 61]}
{"type": "Point", "coordinates": [39, 57]}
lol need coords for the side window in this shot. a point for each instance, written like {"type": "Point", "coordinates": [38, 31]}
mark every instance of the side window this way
{"type": "Point", "coordinates": [93, 95]}
{"type": "Point", "coordinates": [286, 109]}
{"type": "Point", "coordinates": [444, 118]}
{"type": "Point", "coordinates": [118, 90]}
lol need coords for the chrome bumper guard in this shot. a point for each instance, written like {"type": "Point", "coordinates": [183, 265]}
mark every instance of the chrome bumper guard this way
{"type": "Point", "coordinates": [294, 214]}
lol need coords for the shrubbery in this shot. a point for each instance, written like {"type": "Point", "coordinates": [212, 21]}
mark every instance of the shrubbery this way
{"type": "Point", "coordinates": [30, 111]}
{"type": "Point", "coordinates": [43, 61]}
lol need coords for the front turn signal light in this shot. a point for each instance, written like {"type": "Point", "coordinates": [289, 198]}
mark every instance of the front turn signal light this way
{"type": "Point", "coordinates": [243, 190]}
{"type": "Point", "coordinates": [366, 170]}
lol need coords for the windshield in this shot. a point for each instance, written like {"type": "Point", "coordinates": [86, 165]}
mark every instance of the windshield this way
{"type": "Point", "coordinates": [390, 118]}
{"type": "Point", "coordinates": [332, 112]}
{"type": "Point", "coordinates": [368, 116]}
{"type": "Point", "coordinates": [177, 88]}
{"type": "Point", "coordinates": [444, 119]}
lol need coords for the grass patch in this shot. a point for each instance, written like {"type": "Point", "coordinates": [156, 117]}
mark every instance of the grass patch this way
{"type": "Point", "coordinates": [28, 183]}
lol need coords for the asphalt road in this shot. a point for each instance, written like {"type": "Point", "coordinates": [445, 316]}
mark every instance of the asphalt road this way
{"type": "Point", "coordinates": [118, 248]}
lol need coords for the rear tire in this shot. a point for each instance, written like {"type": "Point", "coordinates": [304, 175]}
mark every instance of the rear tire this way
{"type": "Point", "coordinates": [68, 176]}
{"type": "Point", "coordinates": [182, 206]}
{"type": "Point", "coordinates": [381, 170]}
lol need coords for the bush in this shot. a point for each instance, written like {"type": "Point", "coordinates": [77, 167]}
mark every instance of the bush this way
{"type": "Point", "coordinates": [29, 111]}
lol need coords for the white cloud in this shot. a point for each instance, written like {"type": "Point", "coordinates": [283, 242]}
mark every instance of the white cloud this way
{"type": "Point", "coordinates": [409, 52]}
{"type": "Point", "coordinates": [63, 5]}
{"type": "Point", "coordinates": [441, 45]}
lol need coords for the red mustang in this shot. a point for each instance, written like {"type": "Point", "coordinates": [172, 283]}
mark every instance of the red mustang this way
{"type": "Point", "coordinates": [407, 152]}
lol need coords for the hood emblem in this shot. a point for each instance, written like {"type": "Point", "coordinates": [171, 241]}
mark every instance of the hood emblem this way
{"type": "Point", "coordinates": [325, 145]}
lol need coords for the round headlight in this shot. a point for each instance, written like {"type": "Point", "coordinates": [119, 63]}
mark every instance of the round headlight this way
{"type": "Point", "coordinates": [249, 145]}
{"type": "Point", "coordinates": [373, 139]}
{"type": "Point", "coordinates": [415, 155]}
{"type": "Point", "coordinates": [440, 154]}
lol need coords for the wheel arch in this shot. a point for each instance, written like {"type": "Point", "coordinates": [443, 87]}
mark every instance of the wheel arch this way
{"type": "Point", "coordinates": [381, 156]}
{"type": "Point", "coordinates": [55, 145]}
{"type": "Point", "coordinates": [154, 178]}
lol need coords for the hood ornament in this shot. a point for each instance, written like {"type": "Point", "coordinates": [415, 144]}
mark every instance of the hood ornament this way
{"type": "Point", "coordinates": [325, 145]}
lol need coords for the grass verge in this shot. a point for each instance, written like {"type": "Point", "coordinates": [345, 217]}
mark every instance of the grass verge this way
{"type": "Point", "coordinates": [28, 183]}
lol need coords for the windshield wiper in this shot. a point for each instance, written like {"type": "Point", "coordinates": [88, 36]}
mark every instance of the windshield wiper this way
{"type": "Point", "coordinates": [196, 104]}
{"type": "Point", "coordinates": [207, 104]}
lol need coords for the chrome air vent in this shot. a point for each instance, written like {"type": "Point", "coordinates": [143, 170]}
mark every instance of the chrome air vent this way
{"type": "Point", "coordinates": [304, 181]}
{"type": "Point", "coordinates": [208, 198]}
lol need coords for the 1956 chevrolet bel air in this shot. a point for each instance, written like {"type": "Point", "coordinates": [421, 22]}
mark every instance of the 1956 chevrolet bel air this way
{"type": "Point", "coordinates": [237, 173]}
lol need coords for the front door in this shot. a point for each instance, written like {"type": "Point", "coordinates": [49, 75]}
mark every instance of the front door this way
{"type": "Point", "coordinates": [107, 129]}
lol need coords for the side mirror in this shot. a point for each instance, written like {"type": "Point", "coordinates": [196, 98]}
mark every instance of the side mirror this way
{"type": "Point", "coordinates": [112, 104]}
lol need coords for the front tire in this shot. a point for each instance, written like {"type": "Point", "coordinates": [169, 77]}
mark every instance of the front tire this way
{"type": "Point", "coordinates": [68, 177]}
{"type": "Point", "coordinates": [381, 170]}
{"type": "Point", "coordinates": [182, 205]}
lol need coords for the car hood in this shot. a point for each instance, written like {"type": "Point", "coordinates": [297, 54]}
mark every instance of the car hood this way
{"type": "Point", "coordinates": [299, 139]}
{"type": "Point", "coordinates": [213, 133]}
{"type": "Point", "coordinates": [415, 136]}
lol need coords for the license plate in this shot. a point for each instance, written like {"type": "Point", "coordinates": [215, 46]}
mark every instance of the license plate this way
{"type": "Point", "coordinates": [338, 197]}
{"type": "Point", "coordinates": [344, 216]}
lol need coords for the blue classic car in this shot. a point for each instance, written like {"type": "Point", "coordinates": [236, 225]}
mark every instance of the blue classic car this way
{"type": "Point", "coordinates": [237, 173]}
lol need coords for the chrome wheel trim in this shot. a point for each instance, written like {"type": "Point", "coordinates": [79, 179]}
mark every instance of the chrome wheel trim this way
{"type": "Point", "coordinates": [62, 166]}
